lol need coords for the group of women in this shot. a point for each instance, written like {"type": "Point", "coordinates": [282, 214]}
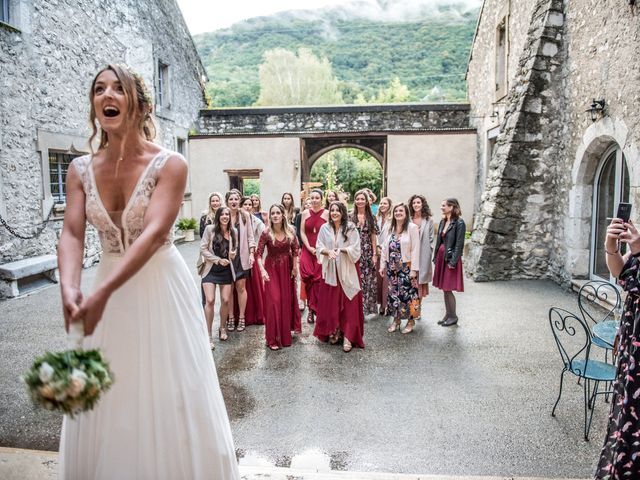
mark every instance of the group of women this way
{"type": "Point", "coordinates": [351, 264]}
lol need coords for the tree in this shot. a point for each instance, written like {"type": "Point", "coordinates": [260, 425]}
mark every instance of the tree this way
{"type": "Point", "coordinates": [348, 170]}
{"type": "Point", "coordinates": [396, 92]}
{"type": "Point", "coordinates": [303, 79]}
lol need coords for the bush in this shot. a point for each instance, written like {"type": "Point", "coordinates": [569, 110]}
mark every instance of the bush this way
{"type": "Point", "coordinates": [187, 223]}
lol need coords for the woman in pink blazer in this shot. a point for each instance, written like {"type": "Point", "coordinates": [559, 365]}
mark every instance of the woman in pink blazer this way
{"type": "Point", "coordinates": [400, 263]}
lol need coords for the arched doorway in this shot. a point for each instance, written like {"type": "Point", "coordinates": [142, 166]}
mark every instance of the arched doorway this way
{"type": "Point", "coordinates": [348, 169]}
{"type": "Point", "coordinates": [611, 186]}
{"type": "Point", "coordinates": [313, 148]}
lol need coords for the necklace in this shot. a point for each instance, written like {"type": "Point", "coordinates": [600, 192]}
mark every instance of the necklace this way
{"type": "Point", "coordinates": [118, 165]}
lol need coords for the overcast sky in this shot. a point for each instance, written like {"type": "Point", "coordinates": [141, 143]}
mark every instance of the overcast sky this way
{"type": "Point", "coordinates": [206, 15]}
{"type": "Point", "coordinates": [209, 15]}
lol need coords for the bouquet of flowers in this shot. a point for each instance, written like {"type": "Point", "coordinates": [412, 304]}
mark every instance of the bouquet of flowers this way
{"type": "Point", "coordinates": [70, 381]}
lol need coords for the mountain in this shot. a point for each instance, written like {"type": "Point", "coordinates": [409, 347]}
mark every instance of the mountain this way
{"type": "Point", "coordinates": [425, 43]}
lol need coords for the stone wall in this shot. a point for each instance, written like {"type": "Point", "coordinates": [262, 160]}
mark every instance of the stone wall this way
{"type": "Point", "coordinates": [535, 214]}
{"type": "Point", "coordinates": [514, 228]}
{"type": "Point", "coordinates": [49, 54]}
{"type": "Point", "coordinates": [337, 119]}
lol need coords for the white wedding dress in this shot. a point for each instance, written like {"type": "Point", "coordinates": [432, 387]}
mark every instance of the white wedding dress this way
{"type": "Point", "coordinates": [164, 417]}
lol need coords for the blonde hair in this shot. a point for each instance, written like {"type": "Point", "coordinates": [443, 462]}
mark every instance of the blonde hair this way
{"type": "Point", "coordinates": [286, 228]}
{"type": "Point", "coordinates": [138, 101]}
{"type": "Point", "coordinates": [209, 211]}
{"type": "Point", "coordinates": [387, 216]}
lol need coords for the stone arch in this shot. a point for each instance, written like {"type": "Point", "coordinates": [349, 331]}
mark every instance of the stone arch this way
{"type": "Point", "coordinates": [314, 148]}
{"type": "Point", "coordinates": [597, 139]}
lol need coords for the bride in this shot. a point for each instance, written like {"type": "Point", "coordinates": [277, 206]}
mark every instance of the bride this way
{"type": "Point", "coordinates": [165, 416]}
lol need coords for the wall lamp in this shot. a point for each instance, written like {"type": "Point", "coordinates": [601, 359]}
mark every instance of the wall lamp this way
{"type": "Point", "coordinates": [596, 110]}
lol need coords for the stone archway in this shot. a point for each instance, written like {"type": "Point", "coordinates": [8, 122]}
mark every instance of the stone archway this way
{"type": "Point", "coordinates": [597, 139]}
{"type": "Point", "coordinates": [315, 147]}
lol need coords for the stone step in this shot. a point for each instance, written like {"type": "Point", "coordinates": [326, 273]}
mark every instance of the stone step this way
{"type": "Point", "coordinates": [20, 464]}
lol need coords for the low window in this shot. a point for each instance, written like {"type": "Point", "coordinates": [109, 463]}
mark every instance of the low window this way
{"type": "Point", "coordinates": [58, 167]}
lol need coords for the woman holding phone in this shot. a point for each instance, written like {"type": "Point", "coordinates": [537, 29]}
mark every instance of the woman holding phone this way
{"type": "Point", "coordinates": [620, 457]}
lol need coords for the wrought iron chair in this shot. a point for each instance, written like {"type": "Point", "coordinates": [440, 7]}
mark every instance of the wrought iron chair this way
{"type": "Point", "coordinates": [573, 339]}
{"type": "Point", "coordinates": [590, 298]}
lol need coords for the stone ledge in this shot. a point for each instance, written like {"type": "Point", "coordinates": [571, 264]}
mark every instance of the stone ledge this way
{"type": "Point", "coordinates": [28, 266]}
{"type": "Point", "coordinates": [20, 464]}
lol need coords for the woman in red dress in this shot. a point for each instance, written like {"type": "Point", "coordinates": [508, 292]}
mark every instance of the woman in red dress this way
{"type": "Point", "coordinates": [279, 272]}
{"type": "Point", "coordinates": [254, 312]}
{"type": "Point", "coordinates": [447, 275]}
{"type": "Point", "coordinates": [340, 310]}
{"type": "Point", "coordinates": [310, 270]}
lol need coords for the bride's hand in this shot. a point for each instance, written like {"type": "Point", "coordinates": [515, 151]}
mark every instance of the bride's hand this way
{"type": "Point", "coordinates": [90, 311]}
{"type": "Point", "coordinates": [71, 299]}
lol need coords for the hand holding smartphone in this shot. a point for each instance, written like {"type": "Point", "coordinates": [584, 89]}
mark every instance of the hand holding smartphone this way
{"type": "Point", "coordinates": [624, 212]}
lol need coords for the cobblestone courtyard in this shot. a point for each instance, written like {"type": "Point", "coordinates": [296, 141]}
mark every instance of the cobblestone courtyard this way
{"type": "Point", "coordinates": [468, 400]}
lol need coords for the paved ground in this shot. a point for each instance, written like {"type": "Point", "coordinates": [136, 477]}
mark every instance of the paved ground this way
{"type": "Point", "coordinates": [468, 400]}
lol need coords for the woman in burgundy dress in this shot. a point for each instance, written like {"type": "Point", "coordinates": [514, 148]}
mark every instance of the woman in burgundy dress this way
{"type": "Point", "coordinates": [279, 272]}
{"type": "Point", "coordinates": [310, 270]}
{"type": "Point", "coordinates": [447, 275]}
{"type": "Point", "coordinates": [254, 312]}
{"type": "Point", "coordinates": [340, 312]}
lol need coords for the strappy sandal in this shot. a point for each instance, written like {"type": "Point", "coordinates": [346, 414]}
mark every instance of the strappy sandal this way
{"type": "Point", "coordinates": [346, 345]}
{"type": "Point", "coordinates": [394, 326]}
{"type": "Point", "coordinates": [231, 324]}
{"type": "Point", "coordinates": [409, 326]}
{"type": "Point", "coordinates": [241, 324]}
{"type": "Point", "coordinates": [311, 316]}
{"type": "Point", "coordinates": [222, 335]}
{"type": "Point", "coordinates": [334, 337]}
{"type": "Point", "coordinates": [274, 347]}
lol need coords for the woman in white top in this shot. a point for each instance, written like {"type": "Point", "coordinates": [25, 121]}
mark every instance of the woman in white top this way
{"type": "Point", "coordinates": [400, 262]}
{"type": "Point", "coordinates": [383, 219]}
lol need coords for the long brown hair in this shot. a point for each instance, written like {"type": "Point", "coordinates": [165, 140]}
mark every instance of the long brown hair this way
{"type": "Point", "coordinates": [425, 212]}
{"type": "Point", "coordinates": [138, 101]}
{"type": "Point", "coordinates": [456, 212]}
{"type": "Point", "coordinates": [290, 211]}
{"type": "Point", "coordinates": [217, 243]}
{"type": "Point", "coordinates": [369, 219]}
{"type": "Point", "coordinates": [344, 219]}
{"type": "Point", "coordinates": [407, 219]}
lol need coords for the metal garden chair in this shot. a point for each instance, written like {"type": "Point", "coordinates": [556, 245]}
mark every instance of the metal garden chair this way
{"type": "Point", "coordinates": [591, 296]}
{"type": "Point", "coordinates": [573, 339]}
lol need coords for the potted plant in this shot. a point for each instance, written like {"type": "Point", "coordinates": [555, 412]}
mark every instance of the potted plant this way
{"type": "Point", "coordinates": [187, 225]}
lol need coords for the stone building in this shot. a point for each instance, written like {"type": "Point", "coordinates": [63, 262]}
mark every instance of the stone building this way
{"type": "Point", "coordinates": [50, 51]}
{"type": "Point", "coordinates": [550, 174]}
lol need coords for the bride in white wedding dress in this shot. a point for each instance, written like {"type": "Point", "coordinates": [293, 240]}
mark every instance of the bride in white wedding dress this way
{"type": "Point", "coordinates": [164, 417]}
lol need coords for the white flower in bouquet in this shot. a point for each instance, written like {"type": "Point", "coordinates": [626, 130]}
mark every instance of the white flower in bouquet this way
{"type": "Point", "coordinates": [45, 372]}
{"type": "Point", "coordinates": [78, 381]}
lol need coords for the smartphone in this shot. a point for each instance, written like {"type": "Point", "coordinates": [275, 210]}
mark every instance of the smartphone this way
{"type": "Point", "coordinates": [624, 211]}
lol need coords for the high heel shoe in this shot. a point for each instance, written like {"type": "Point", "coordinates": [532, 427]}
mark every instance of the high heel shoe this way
{"type": "Point", "coordinates": [394, 326]}
{"type": "Point", "coordinates": [241, 322]}
{"type": "Point", "coordinates": [231, 324]}
{"type": "Point", "coordinates": [222, 334]}
{"type": "Point", "coordinates": [409, 326]}
{"type": "Point", "coordinates": [311, 316]}
{"type": "Point", "coordinates": [346, 345]}
{"type": "Point", "coordinates": [449, 322]}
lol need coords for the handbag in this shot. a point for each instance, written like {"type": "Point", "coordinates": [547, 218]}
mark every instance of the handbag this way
{"type": "Point", "coordinates": [200, 264]}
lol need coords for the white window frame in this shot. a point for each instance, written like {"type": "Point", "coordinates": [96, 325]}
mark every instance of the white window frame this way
{"type": "Point", "coordinates": [501, 59]}
{"type": "Point", "coordinates": [163, 91]}
{"type": "Point", "coordinates": [594, 207]}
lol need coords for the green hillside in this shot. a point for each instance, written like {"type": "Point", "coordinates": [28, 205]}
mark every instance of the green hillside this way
{"type": "Point", "coordinates": [429, 54]}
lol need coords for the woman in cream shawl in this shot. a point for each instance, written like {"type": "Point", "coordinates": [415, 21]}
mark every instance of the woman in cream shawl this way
{"type": "Point", "coordinates": [340, 310]}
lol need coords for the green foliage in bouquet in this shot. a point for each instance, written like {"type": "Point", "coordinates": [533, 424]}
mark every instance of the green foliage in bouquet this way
{"type": "Point", "coordinates": [70, 381]}
{"type": "Point", "coordinates": [186, 223]}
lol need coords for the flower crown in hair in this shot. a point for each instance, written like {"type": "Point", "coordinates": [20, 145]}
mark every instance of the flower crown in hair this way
{"type": "Point", "coordinates": [140, 80]}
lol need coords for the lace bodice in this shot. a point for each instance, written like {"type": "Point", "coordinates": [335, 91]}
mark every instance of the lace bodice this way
{"type": "Point", "coordinates": [113, 239]}
{"type": "Point", "coordinates": [278, 251]}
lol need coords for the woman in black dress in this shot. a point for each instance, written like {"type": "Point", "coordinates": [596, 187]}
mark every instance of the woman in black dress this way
{"type": "Point", "coordinates": [620, 457]}
{"type": "Point", "coordinates": [219, 249]}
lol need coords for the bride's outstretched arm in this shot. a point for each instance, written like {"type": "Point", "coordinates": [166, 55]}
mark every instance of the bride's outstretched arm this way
{"type": "Point", "coordinates": [71, 245]}
{"type": "Point", "coordinates": [158, 221]}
